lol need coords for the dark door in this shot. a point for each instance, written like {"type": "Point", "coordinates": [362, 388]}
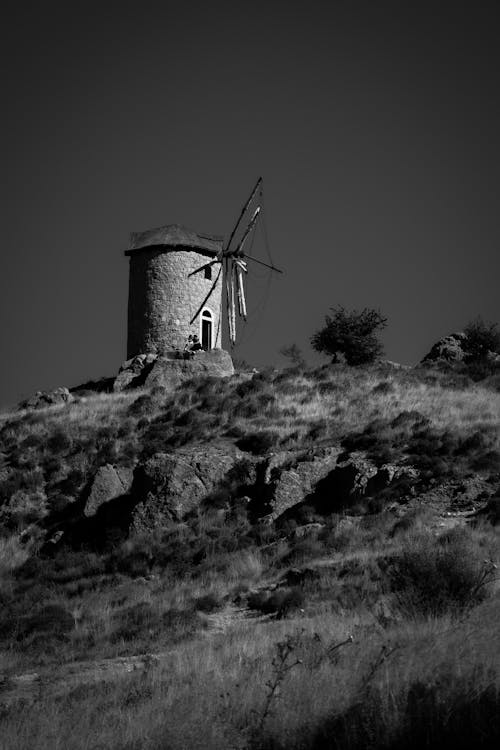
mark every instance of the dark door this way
{"type": "Point", "coordinates": [206, 334]}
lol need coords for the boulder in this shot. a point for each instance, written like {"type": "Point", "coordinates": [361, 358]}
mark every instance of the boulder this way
{"type": "Point", "coordinates": [344, 484]}
{"type": "Point", "coordinates": [356, 477]}
{"type": "Point", "coordinates": [290, 477]}
{"type": "Point", "coordinates": [170, 485]}
{"type": "Point", "coordinates": [90, 387]}
{"type": "Point", "coordinates": [42, 399]}
{"type": "Point", "coordinates": [449, 348]}
{"type": "Point", "coordinates": [172, 369]}
{"type": "Point", "coordinates": [390, 474]}
{"type": "Point", "coordinates": [109, 483]}
{"type": "Point", "coordinates": [133, 372]}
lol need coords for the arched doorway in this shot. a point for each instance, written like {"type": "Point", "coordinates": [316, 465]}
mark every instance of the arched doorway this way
{"type": "Point", "coordinates": [206, 329]}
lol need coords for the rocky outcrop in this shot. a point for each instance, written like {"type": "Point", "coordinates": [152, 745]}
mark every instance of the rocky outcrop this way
{"type": "Point", "coordinates": [42, 399]}
{"type": "Point", "coordinates": [171, 370]}
{"type": "Point", "coordinates": [109, 483]}
{"type": "Point", "coordinates": [355, 478]}
{"type": "Point", "coordinates": [134, 372]}
{"type": "Point", "coordinates": [170, 485]}
{"type": "Point", "coordinates": [449, 348]}
{"type": "Point", "coordinates": [289, 477]}
{"type": "Point", "coordinates": [102, 385]}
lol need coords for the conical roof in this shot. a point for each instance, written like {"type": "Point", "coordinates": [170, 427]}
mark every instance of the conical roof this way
{"type": "Point", "coordinates": [174, 235]}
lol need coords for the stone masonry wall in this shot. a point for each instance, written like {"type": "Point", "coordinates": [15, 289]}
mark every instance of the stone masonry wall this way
{"type": "Point", "coordinates": [163, 299]}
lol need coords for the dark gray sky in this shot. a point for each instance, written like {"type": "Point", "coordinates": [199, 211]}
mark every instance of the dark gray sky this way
{"type": "Point", "coordinates": [375, 126]}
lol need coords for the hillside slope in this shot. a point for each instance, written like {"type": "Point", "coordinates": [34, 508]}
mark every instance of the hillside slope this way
{"type": "Point", "coordinates": [272, 538]}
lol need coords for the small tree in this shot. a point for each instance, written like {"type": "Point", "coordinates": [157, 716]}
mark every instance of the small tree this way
{"type": "Point", "coordinates": [294, 355]}
{"type": "Point", "coordinates": [481, 339]}
{"type": "Point", "coordinates": [352, 334]}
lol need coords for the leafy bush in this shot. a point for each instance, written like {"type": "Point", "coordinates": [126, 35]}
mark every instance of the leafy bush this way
{"type": "Point", "coordinates": [352, 335]}
{"type": "Point", "coordinates": [481, 339]}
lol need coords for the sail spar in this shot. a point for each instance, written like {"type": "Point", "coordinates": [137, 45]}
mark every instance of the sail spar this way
{"type": "Point", "coordinates": [233, 263]}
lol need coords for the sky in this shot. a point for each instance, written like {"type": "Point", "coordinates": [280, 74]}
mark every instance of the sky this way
{"type": "Point", "coordinates": [373, 124]}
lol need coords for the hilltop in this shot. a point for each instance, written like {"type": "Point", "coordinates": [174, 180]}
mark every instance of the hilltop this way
{"type": "Point", "coordinates": [278, 556]}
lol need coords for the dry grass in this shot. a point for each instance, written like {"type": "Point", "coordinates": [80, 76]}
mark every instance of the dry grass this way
{"type": "Point", "coordinates": [156, 593]}
{"type": "Point", "coordinates": [356, 403]}
{"type": "Point", "coordinates": [52, 454]}
{"type": "Point", "coordinates": [352, 397]}
{"type": "Point", "coordinates": [212, 693]}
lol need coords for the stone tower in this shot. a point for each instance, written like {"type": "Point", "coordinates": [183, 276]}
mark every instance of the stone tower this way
{"type": "Point", "coordinates": [163, 297]}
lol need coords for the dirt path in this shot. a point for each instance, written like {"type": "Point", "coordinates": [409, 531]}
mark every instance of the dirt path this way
{"type": "Point", "coordinates": [62, 679]}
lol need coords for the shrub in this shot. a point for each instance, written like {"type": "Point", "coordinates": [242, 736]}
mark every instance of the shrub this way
{"type": "Point", "coordinates": [179, 624]}
{"type": "Point", "coordinates": [280, 603]}
{"type": "Point", "coordinates": [258, 443]}
{"type": "Point", "coordinates": [303, 550]}
{"type": "Point", "coordinates": [143, 621]}
{"type": "Point", "coordinates": [145, 404]}
{"type": "Point", "coordinates": [134, 557]}
{"type": "Point", "coordinates": [352, 335]}
{"type": "Point", "coordinates": [294, 355]}
{"type": "Point", "coordinates": [336, 537]}
{"type": "Point", "coordinates": [207, 603]}
{"type": "Point", "coordinates": [22, 509]}
{"type": "Point", "coordinates": [449, 710]}
{"type": "Point", "coordinates": [385, 386]}
{"type": "Point", "coordinates": [433, 577]}
{"type": "Point", "coordinates": [481, 339]}
{"type": "Point", "coordinates": [50, 621]}
{"type": "Point", "coordinates": [59, 442]}
{"type": "Point", "coordinates": [135, 621]}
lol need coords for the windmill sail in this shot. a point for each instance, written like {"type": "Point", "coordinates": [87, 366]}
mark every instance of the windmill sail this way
{"type": "Point", "coordinates": [234, 265]}
{"type": "Point", "coordinates": [257, 186]}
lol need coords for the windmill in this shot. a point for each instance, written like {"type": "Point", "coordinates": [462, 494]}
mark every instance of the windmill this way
{"type": "Point", "coordinates": [232, 262]}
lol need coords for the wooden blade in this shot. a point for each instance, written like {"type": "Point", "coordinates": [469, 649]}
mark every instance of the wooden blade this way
{"type": "Point", "coordinates": [241, 264]}
{"type": "Point", "coordinates": [247, 231]}
{"type": "Point", "coordinates": [233, 307]}
{"type": "Point", "coordinates": [261, 263]}
{"type": "Point", "coordinates": [242, 304]}
{"type": "Point", "coordinates": [228, 302]}
{"type": "Point", "coordinates": [243, 212]}
{"type": "Point", "coordinates": [212, 289]}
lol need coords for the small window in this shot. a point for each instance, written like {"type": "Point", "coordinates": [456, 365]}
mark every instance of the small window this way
{"type": "Point", "coordinates": [208, 272]}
